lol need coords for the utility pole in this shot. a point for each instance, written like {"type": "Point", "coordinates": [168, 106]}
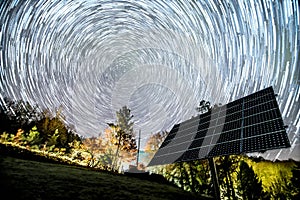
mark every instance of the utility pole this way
{"type": "Point", "coordinates": [138, 150]}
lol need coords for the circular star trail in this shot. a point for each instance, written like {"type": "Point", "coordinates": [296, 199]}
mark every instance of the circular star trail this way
{"type": "Point", "coordinates": [159, 58]}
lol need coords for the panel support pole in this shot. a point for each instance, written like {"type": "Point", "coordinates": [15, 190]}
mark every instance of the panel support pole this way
{"type": "Point", "coordinates": [214, 177]}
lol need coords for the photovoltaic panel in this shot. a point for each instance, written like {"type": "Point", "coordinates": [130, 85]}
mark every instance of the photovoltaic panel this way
{"type": "Point", "coordinates": [250, 124]}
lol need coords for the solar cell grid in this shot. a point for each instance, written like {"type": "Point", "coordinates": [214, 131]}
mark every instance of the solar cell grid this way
{"type": "Point", "coordinates": [192, 122]}
{"type": "Point", "coordinates": [258, 108]}
{"type": "Point", "coordinates": [234, 109]}
{"type": "Point", "coordinates": [258, 130]}
{"type": "Point", "coordinates": [203, 126]}
{"type": "Point", "coordinates": [200, 134]}
{"type": "Point", "coordinates": [187, 129]}
{"type": "Point", "coordinates": [204, 121]}
{"type": "Point", "coordinates": [196, 143]}
{"type": "Point", "coordinates": [258, 100]}
{"type": "Point", "coordinates": [167, 140]}
{"type": "Point", "coordinates": [230, 135]}
{"type": "Point", "coordinates": [232, 125]}
{"type": "Point", "coordinates": [249, 124]}
{"type": "Point", "coordinates": [234, 116]}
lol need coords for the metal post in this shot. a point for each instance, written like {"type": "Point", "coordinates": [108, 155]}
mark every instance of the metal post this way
{"type": "Point", "coordinates": [138, 150]}
{"type": "Point", "coordinates": [214, 178]}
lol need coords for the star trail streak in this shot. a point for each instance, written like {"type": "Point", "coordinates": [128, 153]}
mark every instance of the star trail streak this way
{"type": "Point", "coordinates": [160, 58]}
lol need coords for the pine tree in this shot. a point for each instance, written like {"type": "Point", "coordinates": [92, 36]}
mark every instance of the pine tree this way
{"type": "Point", "coordinates": [123, 136]}
{"type": "Point", "coordinates": [124, 118]}
{"type": "Point", "coordinates": [249, 186]}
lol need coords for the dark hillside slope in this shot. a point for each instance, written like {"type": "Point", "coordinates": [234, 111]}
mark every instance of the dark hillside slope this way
{"type": "Point", "coordinates": [26, 179]}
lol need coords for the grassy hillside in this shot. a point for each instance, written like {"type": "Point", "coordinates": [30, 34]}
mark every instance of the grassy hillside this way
{"type": "Point", "coordinates": [26, 179]}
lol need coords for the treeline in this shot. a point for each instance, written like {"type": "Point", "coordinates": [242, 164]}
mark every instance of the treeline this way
{"type": "Point", "coordinates": [29, 126]}
{"type": "Point", "coordinates": [26, 128]}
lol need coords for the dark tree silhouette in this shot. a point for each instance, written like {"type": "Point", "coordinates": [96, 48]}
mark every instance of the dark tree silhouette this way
{"type": "Point", "coordinates": [249, 186]}
{"type": "Point", "coordinates": [295, 181]}
{"type": "Point", "coordinates": [204, 106]}
{"type": "Point", "coordinates": [226, 166]}
{"type": "Point", "coordinates": [18, 114]}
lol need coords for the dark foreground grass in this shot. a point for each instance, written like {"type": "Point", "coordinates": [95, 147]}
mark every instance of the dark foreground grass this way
{"type": "Point", "coordinates": [31, 180]}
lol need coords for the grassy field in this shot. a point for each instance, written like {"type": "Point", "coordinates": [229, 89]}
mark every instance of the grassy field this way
{"type": "Point", "coordinates": [31, 180]}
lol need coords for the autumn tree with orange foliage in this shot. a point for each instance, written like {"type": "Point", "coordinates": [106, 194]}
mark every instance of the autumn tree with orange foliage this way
{"type": "Point", "coordinates": [153, 143]}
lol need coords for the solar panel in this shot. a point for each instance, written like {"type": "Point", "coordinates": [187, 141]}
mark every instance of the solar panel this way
{"type": "Point", "coordinates": [250, 124]}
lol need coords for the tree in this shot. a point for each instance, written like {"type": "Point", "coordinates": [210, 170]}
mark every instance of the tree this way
{"type": "Point", "coordinates": [54, 128]}
{"type": "Point", "coordinates": [295, 181]}
{"type": "Point", "coordinates": [282, 187]}
{"type": "Point", "coordinates": [204, 106]}
{"type": "Point", "coordinates": [52, 140]}
{"type": "Point", "coordinates": [154, 142]}
{"type": "Point", "coordinates": [19, 117]}
{"type": "Point", "coordinates": [16, 115]}
{"type": "Point", "coordinates": [277, 177]}
{"type": "Point", "coordinates": [124, 122]}
{"type": "Point", "coordinates": [226, 167]}
{"type": "Point", "coordinates": [94, 147]}
{"type": "Point", "coordinates": [123, 137]}
{"type": "Point", "coordinates": [191, 176]}
{"type": "Point", "coordinates": [109, 147]}
{"type": "Point", "coordinates": [199, 177]}
{"type": "Point", "coordinates": [33, 137]}
{"type": "Point", "coordinates": [249, 186]}
{"type": "Point", "coordinates": [151, 147]}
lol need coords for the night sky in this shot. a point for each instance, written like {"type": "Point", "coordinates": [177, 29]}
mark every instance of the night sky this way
{"type": "Point", "coordinates": [160, 58]}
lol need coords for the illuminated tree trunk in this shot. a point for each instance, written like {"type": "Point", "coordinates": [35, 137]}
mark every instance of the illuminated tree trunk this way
{"type": "Point", "coordinates": [117, 152]}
